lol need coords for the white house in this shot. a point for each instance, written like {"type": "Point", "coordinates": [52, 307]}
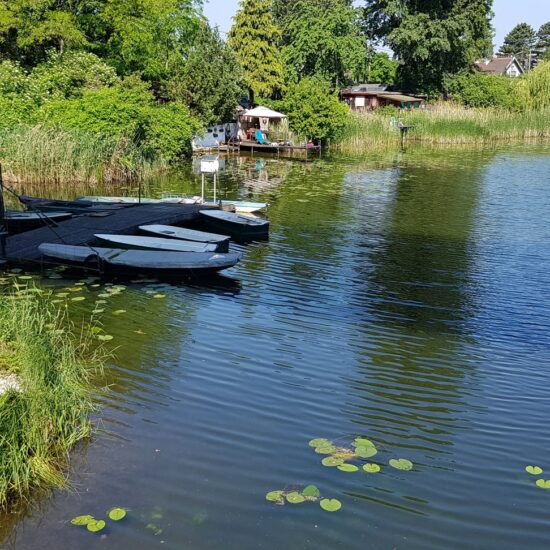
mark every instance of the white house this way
{"type": "Point", "coordinates": [504, 66]}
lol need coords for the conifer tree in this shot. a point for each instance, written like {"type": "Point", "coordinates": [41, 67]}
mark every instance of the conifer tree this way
{"type": "Point", "coordinates": [519, 41]}
{"type": "Point", "coordinates": [254, 37]}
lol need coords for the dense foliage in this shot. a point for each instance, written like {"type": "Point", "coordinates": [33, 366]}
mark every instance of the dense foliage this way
{"type": "Point", "coordinates": [255, 38]}
{"type": "Point", "coordinates": [519, 42]}
{"type": "Point", "coordinates": [431, 39]}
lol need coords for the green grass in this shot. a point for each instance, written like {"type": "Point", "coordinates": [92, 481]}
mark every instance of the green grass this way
{"type": "Point", "coordinates": [35, 155]}
{"type": "Point", "coordinates": [40, 423]}
{"type": "Point", "coordinates": [444, 124]}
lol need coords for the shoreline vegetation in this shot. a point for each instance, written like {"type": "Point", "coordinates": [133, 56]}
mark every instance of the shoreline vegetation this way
{"type": "Point", "coordinates": [46, 412]}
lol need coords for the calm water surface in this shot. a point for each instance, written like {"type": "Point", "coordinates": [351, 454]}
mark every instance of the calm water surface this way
{"type": "Point", "coordinates": [405, 299]}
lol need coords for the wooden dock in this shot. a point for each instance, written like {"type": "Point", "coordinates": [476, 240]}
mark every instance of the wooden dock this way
{"type": "Point", "coordinates": [22, 249]}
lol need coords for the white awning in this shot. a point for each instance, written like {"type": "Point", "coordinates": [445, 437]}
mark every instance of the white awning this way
{"type": "Point", "coordinates": [262, 112]}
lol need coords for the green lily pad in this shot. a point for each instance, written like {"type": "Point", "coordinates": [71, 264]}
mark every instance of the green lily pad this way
{"type": "Point", "coordinates": [311, 491]}
{"type": "Point", "coordinates": [96, 330]}
{"type": "Point", "coordinates": [295, 498]}
{"type": "Point", "coordinates": [320, 442]}
{"type": "Point", "coordinates": [330, 504]}
{"type": "Point", "coordinates": [119, 312]}
{"type": "Point", "coordinates": [105, 337]}
{"type": "Point", "coordinates": [95, 526]}
{"type": "Point", "coordinates": [78, 299]}
{"type": "Point", "coordinates": [98, 311]}
{"type": "Point", "coordinates": [371, 468]}
{"type": "Point", "coordinates": [543, 483]}
{"type": "Point", "coordinates": [159, 296]}
{"type": "Point", "coordinates": [327, 450]}
{"type": "Point", "coordinates": [104, 295]}
{"type": "Point", "coordinates": [401, 464]}
{"type": "Point", "coordinates": [348, 468]}
{"type": "Point", "coordinates": [331, 461]}
{"type": "Point", "coordinates": [274, 496]}
{"type": "Point", "coordinates": [365, 452]}
{"type": "Point", "coordinates": [534, 470]}
{"type": "Point", "coordinates": [116, 514]}
{"type": "Point", "coordinates": [24, 277]}
{"type": "Point", "coordinates": [362, 442]}
{"type": "Point", "coordinates": [82, 520]}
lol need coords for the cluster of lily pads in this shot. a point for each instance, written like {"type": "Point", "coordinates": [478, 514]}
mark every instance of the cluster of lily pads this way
{"type": "Point", "coordinates": [361, 448]}
{"type": "Point", "coordinates": [537, 471]}
{"type": "Point", "coordinates": [95, 525]}
{"type": "Point", "coordinates": [309, 494]}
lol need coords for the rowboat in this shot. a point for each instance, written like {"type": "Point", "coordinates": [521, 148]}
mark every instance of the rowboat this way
{"type": "Point", "coordinates": [136, 262]}
{"type": "Point", "coordinates": [239, 227]}
{"type": "Point", "coordinates": [171, 232]}
{"type": "Point", "coordinates": [153, 243]}
{"type": "Point", "coordinates": [17, 222]}
{"type": "Point", "coordinates": [246, 207]}
{"type": "Point", "coordinates": [74, 207]}
{"type": "Point", "coordinates": [179, 199]}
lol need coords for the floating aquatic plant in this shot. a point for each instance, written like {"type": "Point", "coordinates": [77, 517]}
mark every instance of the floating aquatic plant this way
{"type": "Point", "coordinates": [331, 461]}
{"type": "Point", "coordinates": [534, 470]}
{"type": "Point", "coordinates": [401, 464]}
{"type": "Point", "coordinates": [330, 504]}
{"type": "Point", "coordinates": [95, 526]}
{"type": "Point", "coordinates": [294, 497]}
{"type": "Point", "coordinates": [371, 468]}
{"type": "Point", "coordinates": [347, 468]}
{"type": "Point", "coordinates": [119, 312]}
{"type": "Point", "coordinates": [365, 452]}
{"type": "Point", "coordinates": [310, 493]}
{"type": "Point", "coordinates": [159, 296]}
{"type": "Point", "coordinates": [274, 496]}
{"type": "Point", "coordinates": [320, 442]}
{"type": "Point", "coordinates": [105, 337]}
{"type": "Point", "coordinates": [543, 483]}
{"type": "Point", "coordinates": [116, 514]}
{"type": "Point", "coordinates": [78, 299]}
{"type": "Point", "coordinates": [82, 520]}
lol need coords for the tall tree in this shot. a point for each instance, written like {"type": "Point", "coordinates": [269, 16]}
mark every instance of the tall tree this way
{"type": "Point", "coordinates": [519, 42]}
{"type": "Point", "coordinates": [210, 81]}
{"type": "Point", "coordinates": [543, 38]}
{"type": "Point", "coordinates": [431, 39]}
{"type": "Point", "coordinates": [255, 36]}
{"type": "Point", "coordinates": [323, 38]}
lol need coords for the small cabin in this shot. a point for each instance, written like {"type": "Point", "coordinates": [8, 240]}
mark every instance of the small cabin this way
{"type": "Point", "coordinates": [367, 97]}
{"type": "Point", "coordinates": [502, 66]}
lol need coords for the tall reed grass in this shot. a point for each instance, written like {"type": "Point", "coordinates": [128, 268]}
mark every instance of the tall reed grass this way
{"type": "Point", "coordinates": [36, 154]}
{"type": "Point", "coordinates": [42, 421]}
{"type": "Point", "coordinates": [444, 124]}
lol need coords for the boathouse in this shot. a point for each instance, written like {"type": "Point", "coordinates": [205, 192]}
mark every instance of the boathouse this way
{"type": "Point", "coordinates": [367, 97]}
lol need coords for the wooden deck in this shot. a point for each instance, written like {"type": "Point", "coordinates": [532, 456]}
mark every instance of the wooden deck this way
{"type": "Point", "coordinates": [255, 147]}
{"type": "Point", "coordinates": [22, 249]}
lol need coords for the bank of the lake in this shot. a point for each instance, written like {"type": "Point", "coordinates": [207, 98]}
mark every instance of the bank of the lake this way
{"type": "Point", "coordinates": [45, 398]}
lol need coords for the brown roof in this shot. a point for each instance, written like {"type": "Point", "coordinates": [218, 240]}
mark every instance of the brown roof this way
{"type": "Point", "coordinates": [497, 65]}
{"type": "Point", "coordinates": [399, 97]}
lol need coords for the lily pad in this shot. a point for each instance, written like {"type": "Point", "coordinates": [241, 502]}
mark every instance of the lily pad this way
{"type": "Point", "coordinates": [119, 312]}
{"type": "Point", "coordinates": [104, 295]}
{"type": "Point", "coordinates": [362, 442]}
{"type": "Point", "coordinates": [320, 442]}
{"type": "Point", "coordinates": [534, 470]}
{"type": "Point", "coordinates": [331, 461]}
{"type": "Point", "coordinates": [274, 496]}
{"type": "Point", "coordinates": [96, 330]}
{"type": "Point", "coordinates": [371, 468]}
{"type": "Point", "coordinates": [543, 483]}
{"type": "Point", "coordinates": [78, 299]}
{"type": "Point", "coordinates": [105, 337]}
{"type": "Point", "coordinates": [401, 464]}
{"type": "Point", "coordinates": [95, 526]}
{"type": "Point", "coordinates": [295, 497]}
{"type": "Point", "coordinates": [24, 277]}
{"type": "Point", "coordinates": [82, 520]}
{"type": "Point", "coordinates": [330, 504]}
{"type": "Point", "coordinates": [98, 311]}
{"type": "Point", "coordinates": [327, 450]}
{"type": "Point", "coordinates": [365, 452]}
{"type": "Point", "coordinates": [348, 468]}
{"type": "Point", "coordinates": [159, 296]}
{"type": "Point", "coordinates": [116, 514]}
{"type": "Point", "coordinates": [311, 491]}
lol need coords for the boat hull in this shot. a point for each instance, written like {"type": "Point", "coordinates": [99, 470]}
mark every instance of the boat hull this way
{"type": "Point", "coordinates": [239, 227]}
{"type": "Point", "coordinates": [132, 242]}
{"type": "Point", "coordinates": [19, 222]}
{"type": "Point", "coordinates": [178, 233]}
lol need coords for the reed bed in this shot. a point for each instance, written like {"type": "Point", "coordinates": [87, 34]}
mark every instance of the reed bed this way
{"type": "Point", "coordinates": [444, 124]}
{"type": "Point", "coordinates": [36, 154]}
{"type": "Point", "coordinates": [43, 419]}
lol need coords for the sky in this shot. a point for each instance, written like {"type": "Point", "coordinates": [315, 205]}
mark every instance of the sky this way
{"type": "Point", "coordinates": [508, 13]}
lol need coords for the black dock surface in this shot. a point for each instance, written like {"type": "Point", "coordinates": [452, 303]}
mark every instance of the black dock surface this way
{"type": "Point", "coordinates": [80, 230]}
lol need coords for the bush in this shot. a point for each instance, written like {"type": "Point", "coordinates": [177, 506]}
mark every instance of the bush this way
{"type": "Point", "coordinates": [534, 87]}
{"type": "Point", "coordinates": [314, 111]}
{"type": "Point", "coordinates": [483, 90]}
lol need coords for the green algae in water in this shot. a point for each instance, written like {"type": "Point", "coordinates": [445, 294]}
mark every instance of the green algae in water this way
{"type": "Point", "coordinates": [401, 464]}
{"type": "Point", "coordinates": [330, 504]}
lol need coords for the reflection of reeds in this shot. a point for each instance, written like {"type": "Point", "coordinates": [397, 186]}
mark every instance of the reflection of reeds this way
{"type": "Point", "coordinates": [38, 155]}
{"type": "Point", "coordinates": [49, 414]}
{"type": "Point", "coordinates": [444, 124]}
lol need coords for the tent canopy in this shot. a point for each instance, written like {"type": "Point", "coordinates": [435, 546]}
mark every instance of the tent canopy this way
{"type": "Point", "coordinates": [262, 112]}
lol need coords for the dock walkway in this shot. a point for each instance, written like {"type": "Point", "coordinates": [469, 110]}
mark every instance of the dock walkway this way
{"type": "Point", "coordinates": [22, 249]}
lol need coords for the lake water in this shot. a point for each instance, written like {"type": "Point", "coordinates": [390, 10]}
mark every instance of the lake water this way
{"type": "Point", "coordinates": [403, 298]}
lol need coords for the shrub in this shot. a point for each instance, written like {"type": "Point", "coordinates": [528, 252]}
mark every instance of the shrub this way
{"type": "Point", "coordinates": [534, 87]}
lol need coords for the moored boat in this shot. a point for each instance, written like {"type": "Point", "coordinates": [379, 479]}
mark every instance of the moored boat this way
{"type": "Point", "coordinates": [153, 243]}
{"type": "Point", "coordinates": [18, 222]}
{"type": "Point", "coordinates": [36, 204]}
{"type": "Point", "coordinates": [236, 225]}
{"type": "Point", "coordinates": [135, 262]}
{"type": "Point", "coordinates": [246, 207]}
{"type": "Point", "coordinates": [184, 234]}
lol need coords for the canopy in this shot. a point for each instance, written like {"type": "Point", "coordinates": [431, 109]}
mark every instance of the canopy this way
{"type": "Point", "coordinates": [262, 112]}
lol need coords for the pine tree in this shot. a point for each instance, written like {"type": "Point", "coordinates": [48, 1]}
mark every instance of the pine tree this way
{"type": "Point", "coordinates": [254, 36]}
{"type": "Point", "coordinates": [519, 41]}
{"type": "Point", "coordinates": [543, 38]}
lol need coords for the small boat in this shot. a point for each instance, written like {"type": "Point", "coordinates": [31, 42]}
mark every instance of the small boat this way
{"type": "Point", "coordinates": [169, 231]}
{"type": "Point", "coordinates": [36, 204]}
{"type": "Point", "coordinates": [153, 243]}
{"type": "Point", "coordinates": [136, 262]}
{"type": "Point", "coordinates": [176, 199]}
{"type": "Point", "coordinates": [239, 227]}
{"type": "Point", "coordinates": [18, 222]}
{"type": "Point", "coordinates": [246, 207]}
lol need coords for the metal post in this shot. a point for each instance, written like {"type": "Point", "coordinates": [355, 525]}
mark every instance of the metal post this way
{"type": "Point", "coordinates": [202, 186]}
{"type": "Point", "coordinates": [215, 183]}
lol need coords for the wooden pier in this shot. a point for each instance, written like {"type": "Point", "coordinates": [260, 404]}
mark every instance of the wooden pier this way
{"type": "Point", "coordinates": [22, 249]}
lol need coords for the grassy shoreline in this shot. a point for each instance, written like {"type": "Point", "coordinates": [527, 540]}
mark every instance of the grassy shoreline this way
{"type": "Point", "coordinates": [444, 125]}
{"type": "Point", "coordinates": [42, 420]}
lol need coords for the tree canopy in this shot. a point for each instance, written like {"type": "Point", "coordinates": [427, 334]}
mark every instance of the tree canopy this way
{"type": "Point", "coordinates": [519, 41]}
{"type": "Point", "coordinates": [431, 39]}
{"type": "Point", "coordinates": [255, 37]}
{"type": "Point", "coordinates": [543, 38]}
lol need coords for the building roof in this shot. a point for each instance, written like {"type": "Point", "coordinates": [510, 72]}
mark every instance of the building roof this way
{"type": "Point", "coordinates": [262, 112]}
{"type": "Point", "coordinates": [497, 65]}
{"type": "Point", "coordinates": [399, 97]}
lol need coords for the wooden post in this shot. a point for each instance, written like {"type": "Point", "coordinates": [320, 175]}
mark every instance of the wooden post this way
{"type": "Point", "coordinates": [3, 232]}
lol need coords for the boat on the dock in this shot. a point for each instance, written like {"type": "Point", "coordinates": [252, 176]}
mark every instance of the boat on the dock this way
{"type": "Point", "coordinates": [236, 225]}
{"type": "Point", "coordinates": [18, 222]}
{"type": "Point", "coordinates": [184, 234]}
{"type": "Point", "coordinates": [179, 199]}
{"type": "Point", "coordinates": [135, 262]}
{"type": "Point", "coordinates": [246, 207]}
{"type": "Point", "coordinates": [140, 242]}
{"type": "Point", "coordinates": [36, 204]}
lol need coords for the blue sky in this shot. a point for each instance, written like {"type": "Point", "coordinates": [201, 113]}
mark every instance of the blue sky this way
{"type": "Point", "coordinates": [507, 14]}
